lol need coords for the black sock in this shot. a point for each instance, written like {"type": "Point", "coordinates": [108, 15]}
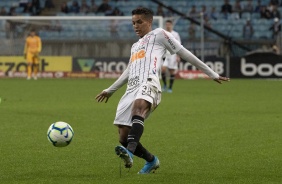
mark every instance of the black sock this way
{"type": "Point", "coordinates": [171, 80]}
{"type": "Point", "coordinates": [143, 153]}
{"type": "Point", "coordinates": [124, 144]}
{"type": "Point", "coordinates": [135, 133]}
{"type": "Point", "coordinates": [164, 78]}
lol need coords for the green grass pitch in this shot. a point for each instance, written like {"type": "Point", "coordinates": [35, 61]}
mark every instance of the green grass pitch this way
{"type": "Point", "coordinates": [202, 133]}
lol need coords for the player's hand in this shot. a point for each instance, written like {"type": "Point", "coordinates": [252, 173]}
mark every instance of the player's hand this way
{"type": "Point", "coordinates": [220, 79]}
{"type": "Point", "coordinates": [102, 96]}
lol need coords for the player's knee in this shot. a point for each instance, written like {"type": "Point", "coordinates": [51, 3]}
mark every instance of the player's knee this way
{"type": "Point", "coordinates": [141, 108]}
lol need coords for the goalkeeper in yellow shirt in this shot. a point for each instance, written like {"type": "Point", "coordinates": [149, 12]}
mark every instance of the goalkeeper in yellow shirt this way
{"type": "Point", "coordinates": [32, 49]}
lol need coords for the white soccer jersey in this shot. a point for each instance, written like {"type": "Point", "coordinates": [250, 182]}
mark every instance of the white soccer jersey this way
{"type": "Point", "coordinates": [146, 60]}
{"type": "Point", "coordinates": [147, 56]}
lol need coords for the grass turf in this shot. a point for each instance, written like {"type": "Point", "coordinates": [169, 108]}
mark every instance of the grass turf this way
{"type": "Point", "coordinates": [202, 133]}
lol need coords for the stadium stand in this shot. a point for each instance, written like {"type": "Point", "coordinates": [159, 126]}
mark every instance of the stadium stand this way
{"type": "Point", "coordinates": [229, 24]}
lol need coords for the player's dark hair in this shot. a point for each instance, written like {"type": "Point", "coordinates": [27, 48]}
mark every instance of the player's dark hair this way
{"type": "Point", "coordinates": [143, 11]}
{"type": "Point", "coordinates": [169, 21]}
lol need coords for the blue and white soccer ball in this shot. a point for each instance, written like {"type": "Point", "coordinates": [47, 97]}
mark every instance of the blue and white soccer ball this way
{"type": "Point", "coordinates": [60, 134]}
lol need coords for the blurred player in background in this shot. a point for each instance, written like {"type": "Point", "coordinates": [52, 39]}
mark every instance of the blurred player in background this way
{"type": "Point", "coordinates": [143, 93]}
{"type": "Point", "coordinates": [32, 49]}
{"type": "Point", "coordinates": [171, 60]}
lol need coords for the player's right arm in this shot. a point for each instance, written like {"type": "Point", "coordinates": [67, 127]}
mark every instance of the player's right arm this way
{"type": "Point", "coordinates": [107, 93]}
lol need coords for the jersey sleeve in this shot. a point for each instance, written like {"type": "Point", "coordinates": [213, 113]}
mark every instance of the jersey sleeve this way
{"type": "Point", "coordinates": [170, 43]}
{"type": "Point", "coordinates": [191, 58]}
{"type": "Point", "coordinates": [119, 82]}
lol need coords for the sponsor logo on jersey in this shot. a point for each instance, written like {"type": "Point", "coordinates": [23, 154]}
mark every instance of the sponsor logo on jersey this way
{"type": "Point", "coordinates": [169, 40]}
{"type": "Point", "coordinates": [138, 55]}
{"type": "Point", "coordinates": [132, 82]}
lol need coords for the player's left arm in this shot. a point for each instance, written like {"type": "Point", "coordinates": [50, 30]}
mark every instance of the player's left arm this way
{"type": "Point", "coordinates": [174, 47]}
{"type": "Point", "coordinates": [191, 58]}
{"type": "Point", "coordinates": [107, 93]}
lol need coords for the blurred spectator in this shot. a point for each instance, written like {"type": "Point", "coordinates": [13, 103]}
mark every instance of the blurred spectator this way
{"type": "Point", "coordinates": [249, 6]}
{"type": "Point", "coordinates": [193, 13]}
{"type": "Point", "coordinates": [104, 6]}
{"type": "Point", "coordinates": [114, 28]}
{"type": "Point", "coordinates": [276, 28]}
{"type": "Point", "coordinates": [12, 11]}
{"type": "Point", "coordinates": [275, 12]}
{"type": "Point", "coordinates": [226, 7]}
{"type": "Point", "coordinates": [207, 24]}
{"type": "Point", "coordinates": [57, 26]}
{"type": "Point", "coordinates": [116, 12]}
{"type": "Point", "coordinates": [192, 32]}
{"type": "Point", "coordinates": [204, 10]}
{"type": "Point", "coordinates": [36, 6]}
{"type": "Point", "coordinates": [93, 6]}
{"type": "Point", "coordinates": [109, 11]}
{"type": "Point", "coordinates": [248, 30]}
{"type": "Point", "coordinates": [3, 11]}
{"type": "Point", "coordinates": [160, 11]}
{"type": "Point", "coordinates": [275, 49]}
{"type": "Point", "coordinates": [64, 8]}
{"type": "Point", "coordinates": [74, 7]}
{"type": "Point", "coordinates": [237, 7]}
{"type": "Point", "coordinates": [28, 8]}
{"type": "Point", "coordinates": [274, 2]}
{"type": "Point", "coordinates": [84, 7]}
{"type": "Point", "coordinates": [213, 15]}
{"type": "Point", "coordinates": [23, 3]}
{"type": "Point", "coordinates": [270, 6]}
{"type": "Point", "coordinates": [49, 4]}
{"type": "Point", "coordinates": [258, 6]}
{"type": "Point", "coordinates": [265, 13]}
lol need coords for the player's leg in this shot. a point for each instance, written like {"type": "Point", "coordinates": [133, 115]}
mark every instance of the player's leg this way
{"type": "Point", "coordinates": [29, 60]}
{"type": "Point", "coordinates": [146, 101]}
{"type": "Point", "coordinates": [171, 80]}
{"type": "Point", "coordinates": [123, 121]}
{"type": "Point", "coordinates": [123, 132]}
{"type": "Point", "coordinates": [35, 66]}
{"type": "Point", "coordinates": [121, 151]}
{"type": "Point", "coordinates": [164, 69]}
{"type": "Point", "coordinates": [140, 151]}
{"type": "Point", "coordinates": [140, 110]}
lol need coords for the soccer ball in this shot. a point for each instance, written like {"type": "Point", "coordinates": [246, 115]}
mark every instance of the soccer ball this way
{"type": "Point", "coordinates": [60, 134]}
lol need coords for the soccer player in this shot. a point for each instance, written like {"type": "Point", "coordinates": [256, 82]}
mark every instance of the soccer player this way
{"type": "Point", "coordinates": [171, 60]}
{"type": "Point", "coordinates": [32, 49]}
{"type": "Point", "coordinates": [143, 93]}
